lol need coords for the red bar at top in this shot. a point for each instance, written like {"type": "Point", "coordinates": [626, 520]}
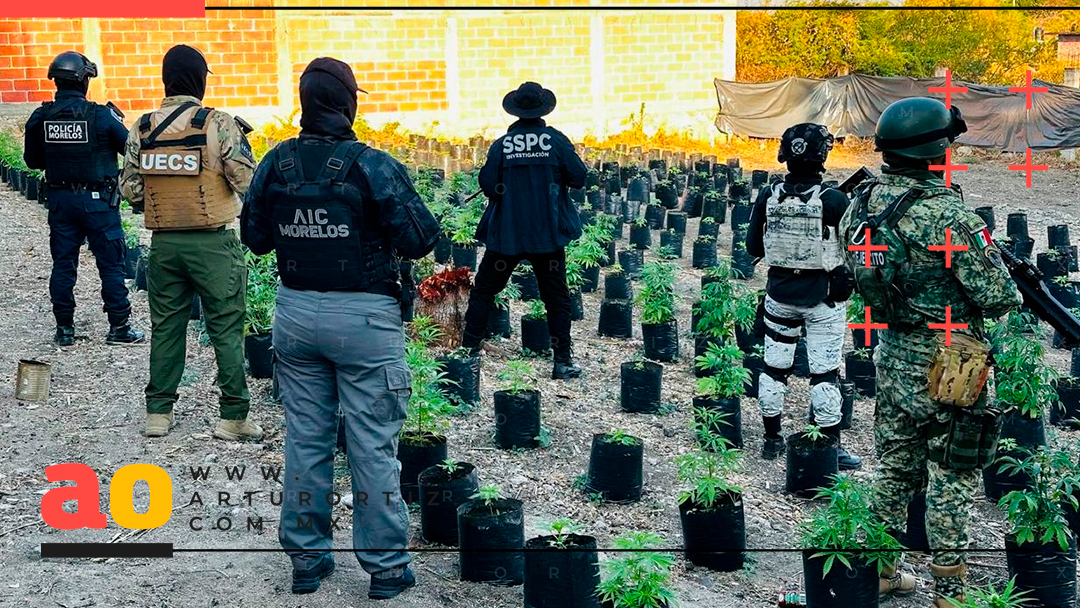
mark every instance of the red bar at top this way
{"type": "Point", "coordinates": [69, 9]}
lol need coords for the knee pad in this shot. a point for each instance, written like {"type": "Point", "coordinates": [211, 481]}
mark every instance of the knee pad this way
{"type": "Point", "coordinates": [780, 375]}
{"type": "Point", "coordinates": [832, 377]}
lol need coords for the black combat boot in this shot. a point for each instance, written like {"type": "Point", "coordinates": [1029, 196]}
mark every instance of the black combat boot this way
{"type": "Point", "coordinates": [773, 446]}
{"type": "Point", "coordinates": [565, 370]}
{"type": "Point", "coordinates": [390, 584]}
{"type": "Point", "coordinates": [65, 335]}
{"type": "Point", "coordinates": [123, 334]}
{"type": "Point", "coordinates": [844, 460]}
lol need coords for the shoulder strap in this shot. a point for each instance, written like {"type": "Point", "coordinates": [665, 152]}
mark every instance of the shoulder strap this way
{"type": "Point", "coordinates": [144, 123]}
{"type": "Point", "coordinates": [199, 120]}
{"type": "Point", "coordinates": [341, 160]}
{"type": "Point", "coordinates": [896, 210]}
{"type": "Point", "coordinates": [288, 164]}
{"type": "Point", "coordinates": [149, 140]}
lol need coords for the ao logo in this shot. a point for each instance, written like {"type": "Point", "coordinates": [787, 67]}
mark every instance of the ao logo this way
{"type": "Point", "coordinates": [525, 141]}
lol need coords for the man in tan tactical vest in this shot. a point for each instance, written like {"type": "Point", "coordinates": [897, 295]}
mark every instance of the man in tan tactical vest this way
{"type": "Point", "coordinates": [185, 168]}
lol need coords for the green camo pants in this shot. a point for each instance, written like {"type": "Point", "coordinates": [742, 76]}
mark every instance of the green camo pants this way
{"type": "Point", "coordinates": [210, 263]}
{"type": "Point", "coordinates": [905, 470]}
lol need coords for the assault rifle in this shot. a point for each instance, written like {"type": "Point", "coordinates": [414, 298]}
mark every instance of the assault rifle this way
{"type": "Point", "coordinates": [1028, 278]}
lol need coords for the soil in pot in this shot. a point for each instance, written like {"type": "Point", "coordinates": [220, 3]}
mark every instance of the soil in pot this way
{"type": "Point", "coordinates": [442, 250]}
{"type": "Point", "coordinates": [517, 419]}
{"type": "Point", "coordinates": [731, 426]}
{"type": "Point", "coordinates": [706, 530]}
{"type": "Point", "coordinates": [704, 254]}
{"type": "Point", "coordinates": [809, 464]}
{"type": "Point", "coordinates": [488, 536]}
{"type": "Point", "coordinates": [498, 324]}
{"type": "Point", "coordinates": [526, 283]}
{"type": "Point", "coordinates": [196, 308]}
{"type": "Point", "coordinates": [617, 287]}
{"type": "Point", "coordinates": [673, 242]}
{"type": "Point", "coordinates": [676, 220]}
{"type": "Point", "coordinates": [1043, 572]}
{"type": "Point", "coordinates": [463, 372]}
{"type": "Point", "coordinates": [654, 215]}
{"type": "Point", "coordinates": [616, 319]}
{"type": "Point", "coordinates": [640, 386]}
{"type": "Point", "coordinates": [631, 260]}
{"type": "Point", "coordinates": [844, 587]}
{"type": "Point", "coordinates": [464, 256]}
{"type": "Point", "coordinates": [914, 536]}
{"type": "Point", "coordinates": [260, 355]}
{"type": "Point", "coordinates": [535, 336]}
{"type": "Point", "coordinates": [577, 310]}
{"type": "Point", "coordinates": [417, 452]}
{"type": "Point", "coordinates": [441, 493]}
{"type": "Point", "coordinates": [1067, 411]}
{"type": "Point", "coordinates": [640, 236]}
{"type": "Point", "coordinates": [561, 577]}
{"type": "Point", "coordinates": [615, 469]}
{"type": "Point", "coordinates": [860, 372]}
{"type": "Point", "coordinates": [661, 340]}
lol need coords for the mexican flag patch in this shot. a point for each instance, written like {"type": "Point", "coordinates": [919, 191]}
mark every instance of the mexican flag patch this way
{"type": "Point", "coordinates": [982, 237]}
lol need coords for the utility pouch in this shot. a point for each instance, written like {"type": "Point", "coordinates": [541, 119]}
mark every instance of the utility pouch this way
{"type": "Point", "coordinates": [964, 440]}
{"type": "Point", "coordinates": [959, 370]}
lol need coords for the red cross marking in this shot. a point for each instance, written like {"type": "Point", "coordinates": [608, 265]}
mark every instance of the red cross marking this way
{"type": "Point", "coordinates": [948, 326]}
{"type": "Point", "coordinates": [948, 167]}
{"type": "Point", "coordinates": [867, 326]}
{"type": "Point", "coordinates": [867, 247]}
{"type": "Point", "coordinates": [948, 89]}
{"type": "Point", "coordinates": [1028, 90]}
{"type": "Point", "coordinates": [1028, 167]}
{"type": "Point", "coordinates": [948, 248]}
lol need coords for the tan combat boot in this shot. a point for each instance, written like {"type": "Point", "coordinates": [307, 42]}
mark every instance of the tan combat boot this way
{"type": "Point", "coordinates": [238, 430]}
{"type": "Point", "coordinates": [892, 582]}
{"type": "Point", "coordinates": [158, 425]}
{"type": "Point", "coordinates": [948, 595]}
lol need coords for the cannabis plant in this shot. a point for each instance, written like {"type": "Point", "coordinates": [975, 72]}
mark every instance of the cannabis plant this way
{"type": "Point", "coordinates": [517, 377]}
{"type": "Point", "coordinates": [261, 294]}
{"type": "Point", "coordinates": [561, 530]}
{"type": "Point", "coordinates": [1036, 512]}
{"type": "Point", "coordinates": [657, 295]}
{"type": "Point", "coordinates": [640, 577]}
{"type": "Point", "coordinates": [727, 376]}
{"type": "Point", "coordinates": [508, 294]}
{"type": "Point", "coordinates": [708, 468]}
{"type": "Point", "coordinates": [846, 530]}
{"type": "Point", "coordinates": [1024, 381]}
{"type": "Point", "coordinates": [536, 310]}
{"type": "Point", "coordinates": [429, 407]}
{"type": "Point", "coordinates": [620, 437]}
{"type": "Point", "coordinates": [990, 597]}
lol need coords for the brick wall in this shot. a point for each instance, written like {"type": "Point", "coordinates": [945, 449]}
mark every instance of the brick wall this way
{"type": "Point", "coordinates": [420, 66]}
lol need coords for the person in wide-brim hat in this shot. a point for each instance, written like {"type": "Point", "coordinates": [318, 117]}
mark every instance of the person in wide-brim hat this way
{"type": "Point", "coordinates": [530, 100]}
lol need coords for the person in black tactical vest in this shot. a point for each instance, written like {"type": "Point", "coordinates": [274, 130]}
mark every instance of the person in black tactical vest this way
{"type": "Point", "coordinates": [339, 215]}
{"type": "Point", "coordinates": [76, 142]}
{"type": "Point", "coordinates": [793, 226]}
{"type": "Point", "coordinates": [529, 217]}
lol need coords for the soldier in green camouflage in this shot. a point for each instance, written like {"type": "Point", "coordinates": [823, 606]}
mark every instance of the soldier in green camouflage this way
{"type": "Point", "coordinates": [909, 208]}
{"type": "Point", "coordinates": [185, 168]}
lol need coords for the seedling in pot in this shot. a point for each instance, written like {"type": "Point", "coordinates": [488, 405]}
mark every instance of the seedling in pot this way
{"type": "Point", "coordinates": [450, 466]}
{"type": "Point", "coordinates": [862, 354]}
{"type": "Point", "coordinates": [640, 576]}
{"type": "Point", "coordinates": [708, 220]}
{"type": "Point", "coordinates": [489, 494]}
{"type": "Point", "coordinates": [641, 222]}
{"type": "Point", "coordinates": [561, 530]}
{"type": "Point", "coordinates": [536, 310]}
{"type": "Point", "coordinates": [615, 268]}
{"type": "Point", "coordinates": [517, 377]}
{"type": "Point", "coordinates": [990, 597]}
{"type": "Point", "coordinates": [814, 434]}
{"type": "Point", "coordinates": [657, 295]}
{"type": "Point", "coordinates": [667, 252]}
{"type": "Point", "coordinates": [620, 437]}
{"type": "Point", "coordinates": [706, 238]}
{"type": "Point", "coordinates": [707, 469]}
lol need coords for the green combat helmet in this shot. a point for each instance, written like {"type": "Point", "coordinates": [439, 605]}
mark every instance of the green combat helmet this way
{"type": "Point", "coordinates": [918, 127]}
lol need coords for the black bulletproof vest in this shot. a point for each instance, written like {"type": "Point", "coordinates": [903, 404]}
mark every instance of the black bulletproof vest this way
{"type": "Point", "coordinates": [317, 226]}
{"type": "Point", "coordinates": [74, 153]}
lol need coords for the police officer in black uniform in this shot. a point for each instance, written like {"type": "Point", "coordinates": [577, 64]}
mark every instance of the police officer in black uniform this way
{"type": "Point", "coordinates": [339, 215]}
{"type": "Point", "coordinates": [76, 142]}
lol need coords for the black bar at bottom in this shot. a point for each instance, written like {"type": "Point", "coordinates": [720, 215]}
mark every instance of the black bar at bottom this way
{"type": "Point", "coordinates": [105, 550]}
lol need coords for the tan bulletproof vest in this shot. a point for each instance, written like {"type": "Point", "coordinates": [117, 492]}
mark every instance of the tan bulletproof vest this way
{"type": "Point", "coordinates": [184, 184]}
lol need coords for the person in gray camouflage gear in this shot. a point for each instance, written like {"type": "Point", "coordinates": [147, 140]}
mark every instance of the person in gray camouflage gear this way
{"type": "Point", "coordinates": [908, 287]}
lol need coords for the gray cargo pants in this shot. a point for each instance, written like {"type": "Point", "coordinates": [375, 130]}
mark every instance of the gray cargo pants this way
{"type": "Point", "coordinates": [347, 349]}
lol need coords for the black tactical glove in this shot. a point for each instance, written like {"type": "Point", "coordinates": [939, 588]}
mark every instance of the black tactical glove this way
{"type": "Point", "coordinates": [841, 285]}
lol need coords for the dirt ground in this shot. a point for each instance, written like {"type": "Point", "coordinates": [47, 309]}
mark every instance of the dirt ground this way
{"type": "Point", "coordinates": [95, 416]}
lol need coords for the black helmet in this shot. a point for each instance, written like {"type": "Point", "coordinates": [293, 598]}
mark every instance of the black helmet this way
{"type": "Point", "coordinates": [918, 127]}
{"type": "Point", "coordinates": [73, 66]}
{"type": "Point", "coordinates": [806, 142]}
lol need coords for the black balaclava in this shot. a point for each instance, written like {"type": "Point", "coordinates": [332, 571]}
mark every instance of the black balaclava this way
{"type": "Point", "coordinates": [184, 72]}
{"type": "Point", "coordinates": [80, 86]}
{"type": "Point", "coordinates": [328, 99]}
